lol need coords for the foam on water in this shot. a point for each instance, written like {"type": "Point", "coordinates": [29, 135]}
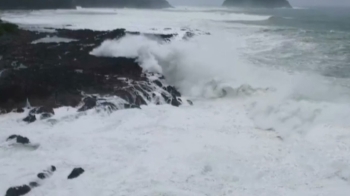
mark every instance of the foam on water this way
{"type": "Point", "coordinates": [253, 130]}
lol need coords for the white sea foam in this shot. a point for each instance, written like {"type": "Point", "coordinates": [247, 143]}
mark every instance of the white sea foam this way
{"type": "Point", "coordinates": [53, 39]}
{"type": "Point", "coordinates": [253, 129]}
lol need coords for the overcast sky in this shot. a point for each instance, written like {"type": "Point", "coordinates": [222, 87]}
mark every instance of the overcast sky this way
{"type": "Point", "coordinates": [293, 2]}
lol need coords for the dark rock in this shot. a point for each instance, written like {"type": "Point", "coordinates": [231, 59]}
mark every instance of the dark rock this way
{"type": "Point", "coordinates": [18, 110]}
{"type": "Point", "coordinates": [30, 118]}
{"type": "Point", "coordinates": [22, 140]}
{"type": "Point", "coordinates": [110, 107]}
{"type": "Point", "coordinates": [53, 168]}
{"type": "Point", "coordinates": [45, 116]}
{"type": "Point", "coordinates": [45, 109]}
{"type": "Point", "coordinates": [12, 137]}
{"type": "Point", "coordinates": [257, 3]}
{"type": "Point", "coordinates": [89, 103]}
{"type": "Point", "coordinates": [42, 175]}
{"type": "Point", "coordinates": [175, 102]}
{"type": "Point", "coordinates": [33, 184]}
{"type": "Point", "coordinates": [19, 139]}
{"type": "Point", "coordinates": [76, 173]}
{"type": "Point", "coordinates": [131, 106]}
{"type": "Point", "coordinates": [46, 112]}
{"type": "Point", "coordinates": [158, 83]}
{"type": "Point", "coordinates": [51, 80]}
{"type": "Point", "coordinates": [190, 102]}
{"type": "Point", "coordinates": [172, 90]}
{"type": "Point", "coordinates": [18, 190]}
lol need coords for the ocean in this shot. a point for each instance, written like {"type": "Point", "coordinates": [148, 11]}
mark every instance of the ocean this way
{"type": "Point", "coordinates": [270, 115]}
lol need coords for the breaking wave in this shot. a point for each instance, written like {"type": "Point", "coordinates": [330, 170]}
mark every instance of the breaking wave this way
{"type": "Point", "coordinates": [279, 100]}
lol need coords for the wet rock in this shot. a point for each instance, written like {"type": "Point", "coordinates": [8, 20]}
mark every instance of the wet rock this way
{"type": "Point", "coordinates": [51, 80]}
{"type": "Point", "coordinates": [53, 168]}
{"type": "Point", "coordinates": [175, 102]}
{"type": "Point", "coordinates": [76, 173]}
{"type": "Point", "coordinates": [107, 106]}
{"type": "Point", "coordinates": [18, 190]}
{"type": "Point", "coordinates": [89, 103]}
{"type": "Point", "coordinates": [173, 91]}
{"type": "Point", "coordinates": [42, 175]}
{"type": "Point", "coordinates": [22, 140]}
{"type": "Point", "coordinates": [19, 139]}
{"type": "Point", "coordinates": [158, 83]}
{"type": "Point", "coordinates": [44, 109]}
{"type": "Point", "coordinates": [46, 173]}
{"type": "Point", "coordinates": [18, 110]}
{"type": "Point", "coordinates": [131, 106]}
{"type": "Point", "coordinates": [30, 118]}
{"type": "Point", "coordinates": [33, 184]}
{"type": "Point", "coordinates": [45, 116]}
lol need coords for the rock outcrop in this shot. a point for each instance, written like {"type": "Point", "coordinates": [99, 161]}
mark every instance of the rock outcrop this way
{"type": "Point", "coordinates": [67, 4]}
{"type": "Point", "coordinates": [49, 75]}
{"type": "Point", "coordinates": [257, 3]}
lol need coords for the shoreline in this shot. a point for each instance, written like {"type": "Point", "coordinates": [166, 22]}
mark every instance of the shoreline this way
{"type": "Point", "coordinates": [55, 69]}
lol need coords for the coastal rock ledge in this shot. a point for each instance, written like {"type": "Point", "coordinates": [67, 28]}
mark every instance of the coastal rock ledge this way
{"type": "Point", "coordinates": [41, 71]}
{"type": "Point", "coordinates": [258, 3]}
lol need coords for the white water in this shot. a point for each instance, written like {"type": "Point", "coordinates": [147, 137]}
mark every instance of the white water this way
{"type": "Point", "coordinates": [253, 129]}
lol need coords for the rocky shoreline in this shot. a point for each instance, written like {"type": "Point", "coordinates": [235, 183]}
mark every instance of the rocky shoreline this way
{"type": "Point", "coordinates": [47, 70]}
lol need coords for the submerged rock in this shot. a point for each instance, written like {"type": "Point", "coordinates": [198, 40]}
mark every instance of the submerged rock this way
{"type": "Point", "coordinates": [257, 3]}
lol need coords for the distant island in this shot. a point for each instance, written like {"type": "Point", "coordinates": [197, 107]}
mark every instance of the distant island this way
{"type": "Point", "coordinates": [257, 3]}
{"type": "Point", "coordinates": [69, 4]}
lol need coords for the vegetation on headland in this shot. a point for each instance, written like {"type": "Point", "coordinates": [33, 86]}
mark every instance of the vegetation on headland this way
{"type": "Point", "coordinates": [7, 28]}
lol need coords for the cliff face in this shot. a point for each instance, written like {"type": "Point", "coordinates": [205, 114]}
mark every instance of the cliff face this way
{"type": "Point", "coordinates": [257, 3]}
{"type": "Point", "coordinates": [61, 4]}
